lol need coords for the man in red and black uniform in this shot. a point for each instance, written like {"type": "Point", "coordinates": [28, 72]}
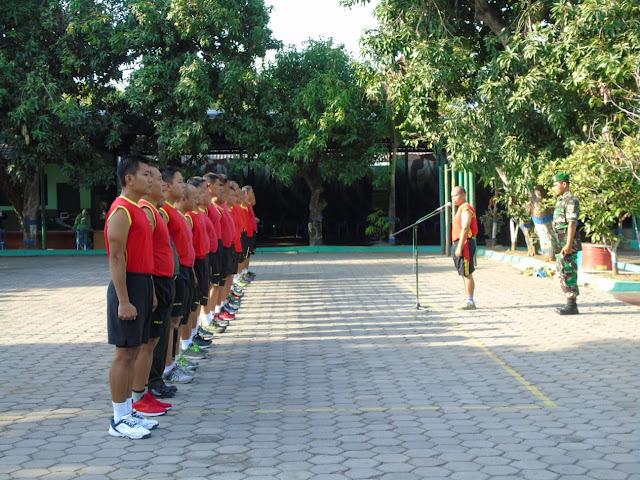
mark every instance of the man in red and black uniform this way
{"type": "Point", "coordinates": [200, 267]}
{"type": "Point", "coordinates": [203, 336]}
{"type": "Point", "coordinates": [215, 188]}
{"type": "Point", "coordinates": [463, 231]}
{"type": "Point", "coordinates": [181, 234]}
{"type": "Point", "coordinates": [130, 295]}
{"type": "Point", "coordinates": [227, 227]}
{"type": "Point", "coordinates": [163, 271]}
{"type": "Point", "coordinates": [254, 222]}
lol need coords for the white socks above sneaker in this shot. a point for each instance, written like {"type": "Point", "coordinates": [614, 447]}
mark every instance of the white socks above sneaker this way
{"type": "Point", "coordinates": [120, 410]}
{"type": "Point", "coordinates": [470, 300]}
{"type": "Point", "coordinates": [218, 308]}
{"type": "Point", "coordinates": [245, 271]}
{"type": "Point", "coordinates": [185, 344]}
{"type": "Point", "coordinates": [167, 370]}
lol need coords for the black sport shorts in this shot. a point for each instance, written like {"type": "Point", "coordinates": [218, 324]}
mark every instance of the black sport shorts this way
{"type": "Point", "coordinates": [201, 297]}
{"type": "Point", "coordinates": [227, 264]}
{"type": "Point", "coordinates": [165, 291]}
{"type": "Point", "coordinates": [215, 264]}
{"type": "Point", "coordinates": [130, 333]}
{"type": "Point", "coordinates": [464, 264]}
{"type": "Point", "coordinates": [189, 295]}
{"type": "Point", "coordinates": [179, 299]}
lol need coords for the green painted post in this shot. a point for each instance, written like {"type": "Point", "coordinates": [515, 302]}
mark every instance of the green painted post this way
{"type": "Point", "coordinates": [43, 211]}
{"type": "Point", "coordinates": [448, 176]}
{"type": "Point", "coordinates": [441, 201]}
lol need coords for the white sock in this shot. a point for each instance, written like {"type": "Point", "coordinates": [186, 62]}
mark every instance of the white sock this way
{"type": "Point", "coordinates": [218, 308]}
{"type": "Point", "coordinates": [470, 299]}
{"type": "Point", "coordinates": [245, 271]}
{"type": "Point", "coordinates": [208, 318]}
{"type": "Point", "coordinates": [194, 332]}
{"type": "Point", "coordinates": [168, 369]}
{"type": "Point", "coordinates": [185, 344]}
{"type": "Point", "coordinates": [119, 410]}
{"type": "Point", "coordinates": [130, 404]}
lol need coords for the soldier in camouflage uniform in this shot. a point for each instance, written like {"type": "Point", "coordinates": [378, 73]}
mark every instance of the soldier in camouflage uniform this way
{"type": "Point", "coordinates": [566, 242]}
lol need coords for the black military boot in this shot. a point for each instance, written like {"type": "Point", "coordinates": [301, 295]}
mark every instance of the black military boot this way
{"type": "Point", "coordinates": [571, 308]}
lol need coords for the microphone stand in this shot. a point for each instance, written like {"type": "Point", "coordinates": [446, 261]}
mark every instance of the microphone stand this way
{"type": "Point", "coordinates": [414, 225]}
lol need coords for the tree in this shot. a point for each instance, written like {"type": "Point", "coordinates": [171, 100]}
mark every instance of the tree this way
{"type": "Point", "coordinates": [608, 195]}
{"type": "Point", "coordinates": [382, 81]}
{"type": "Point", "coordinates": [57, 59]}
{"type": "Point", "coordinates": [182, 48]}
{"type": "Point", "coordinates": [523, 82]}
{"type": "Point", "coordinates": [304, 116]}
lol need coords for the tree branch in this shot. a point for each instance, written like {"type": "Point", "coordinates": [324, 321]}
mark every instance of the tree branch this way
{"type": "Point", "coordinates": [490, 18]}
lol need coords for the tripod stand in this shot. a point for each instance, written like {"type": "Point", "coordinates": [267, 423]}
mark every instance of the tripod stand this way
{"type": "Point", "coordinates": [415, 243]}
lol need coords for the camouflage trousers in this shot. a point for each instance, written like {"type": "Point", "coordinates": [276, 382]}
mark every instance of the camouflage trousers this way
{"type": "Point", "coordinates": [567, 271]}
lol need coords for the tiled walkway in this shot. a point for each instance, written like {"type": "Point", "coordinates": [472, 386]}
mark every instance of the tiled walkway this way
{"type": "Point", "coordinates": [330, 373]}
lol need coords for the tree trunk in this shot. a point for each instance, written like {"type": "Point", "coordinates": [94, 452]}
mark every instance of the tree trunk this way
{"type": "Point", "coordinates": [392, 192]}
{"type": "Point", "coordinates": [513, 230]}
{"type": "Point", "coordinates": [29, 214]}
{"type": "Point", "coordinates": [526, 231]}
{"type": "Point", "coordinates": [316, 204]}
{"type": "Point", "coordinates": [542, 219]}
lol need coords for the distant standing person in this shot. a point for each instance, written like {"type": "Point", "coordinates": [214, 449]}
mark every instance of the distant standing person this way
{"type": "Point", "coordinates": [566, 242]}
{"type": "Point", "coordinates": [463, 232]}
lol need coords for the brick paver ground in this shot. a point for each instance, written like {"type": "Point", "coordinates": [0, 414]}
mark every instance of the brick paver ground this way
{"type": "Point", "coordinates": [330, 373]}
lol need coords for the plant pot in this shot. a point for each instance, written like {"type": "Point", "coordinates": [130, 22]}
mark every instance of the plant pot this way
{"type": "Point", "coordinates": [595, 258]}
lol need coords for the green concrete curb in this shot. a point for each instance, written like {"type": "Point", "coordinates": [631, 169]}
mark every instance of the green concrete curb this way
{"type": "Point", "coordinates": [50, 253]}
{"type": "Point", "coordinates": [592, 279]}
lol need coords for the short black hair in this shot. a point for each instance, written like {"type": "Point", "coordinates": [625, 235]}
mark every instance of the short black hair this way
{"type": "Point", "coordinates": [196, 181]}
{"type": "Point", "coordinates": [129, 165]}
{"type": "Point", "coordinates": [211, 177]}
{"type": "Point", "coordinates": [168, 173]}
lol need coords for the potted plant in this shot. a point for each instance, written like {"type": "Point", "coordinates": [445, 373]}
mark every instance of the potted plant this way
{"type": "Point", "coordinates": [491, 223]}
{"type": "Point", "coordinates": [378, 225]}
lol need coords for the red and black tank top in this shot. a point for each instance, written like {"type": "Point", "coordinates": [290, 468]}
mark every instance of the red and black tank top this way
{"type": "Point", "coordinates": [180, 233]}
{"type": "Point", "coordinates": [139, 250]}
{"type": "Point", "coordinates": [163, 262]}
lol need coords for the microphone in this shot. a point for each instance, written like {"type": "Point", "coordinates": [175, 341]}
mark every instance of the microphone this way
{"type": "Point", "coordinates": [429, 215]}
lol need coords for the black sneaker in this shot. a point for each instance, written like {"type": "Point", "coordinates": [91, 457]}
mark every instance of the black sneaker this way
{"type": "Point", "coordinates": [164, 391]}
{"type": "Point", "coordinates": [205, 333]}
{"type": "Point", "coordinates": [201, 342]}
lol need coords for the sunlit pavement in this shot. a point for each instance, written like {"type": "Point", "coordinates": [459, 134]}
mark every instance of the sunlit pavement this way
{"type": "Point", "coordinates": [330, 372]}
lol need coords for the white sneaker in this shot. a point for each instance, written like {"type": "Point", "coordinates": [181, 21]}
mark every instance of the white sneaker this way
{"type": "Point", "coordinates": [143, 421]}
{"type": "Point", "coordinates": [129, 428]}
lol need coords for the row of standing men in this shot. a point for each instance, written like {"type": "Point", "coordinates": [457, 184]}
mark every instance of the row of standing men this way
{"type": "Point", "coordinates": [179, 257]}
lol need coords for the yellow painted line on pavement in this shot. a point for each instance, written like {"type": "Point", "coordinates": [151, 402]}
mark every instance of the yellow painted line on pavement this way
{"type": "Point", "coordinates": [543, 398]}
{"type": "Point", "coordinates": [39, 416]}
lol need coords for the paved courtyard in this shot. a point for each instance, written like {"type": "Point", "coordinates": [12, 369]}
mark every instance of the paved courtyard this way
{"type": "Point", "coordinates": [330, 373]}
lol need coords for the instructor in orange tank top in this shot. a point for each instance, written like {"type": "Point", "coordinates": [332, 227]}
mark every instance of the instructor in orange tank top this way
{"type": "Point", "coordinates": [463, 232]}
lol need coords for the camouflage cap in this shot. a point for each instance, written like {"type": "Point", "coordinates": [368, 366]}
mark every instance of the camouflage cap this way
{"type": "Point", "coordinates": [561, 177]}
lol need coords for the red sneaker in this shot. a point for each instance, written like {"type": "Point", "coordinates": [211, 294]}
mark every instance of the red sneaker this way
{"type": "Point", "coordinates": [152, 398]}
{"type": "Point", "coordinates": [147, 408]}
{"type": "Point", "coordinates": [224, 315]}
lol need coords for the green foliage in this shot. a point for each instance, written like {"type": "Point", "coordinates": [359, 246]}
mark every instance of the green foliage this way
{"type": "Point", "coordinates": [57, 59]}
{"type": "Point", "coordinates": [303, 115]}
{"type": "Point", "coordinates": [607, 195]}
{"type": "Point", "coordinates": [378, 225]}
{"type": "Point", "coordinates": [486, 220]}
{"type": "Point", "coordinates": [182, 50]}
